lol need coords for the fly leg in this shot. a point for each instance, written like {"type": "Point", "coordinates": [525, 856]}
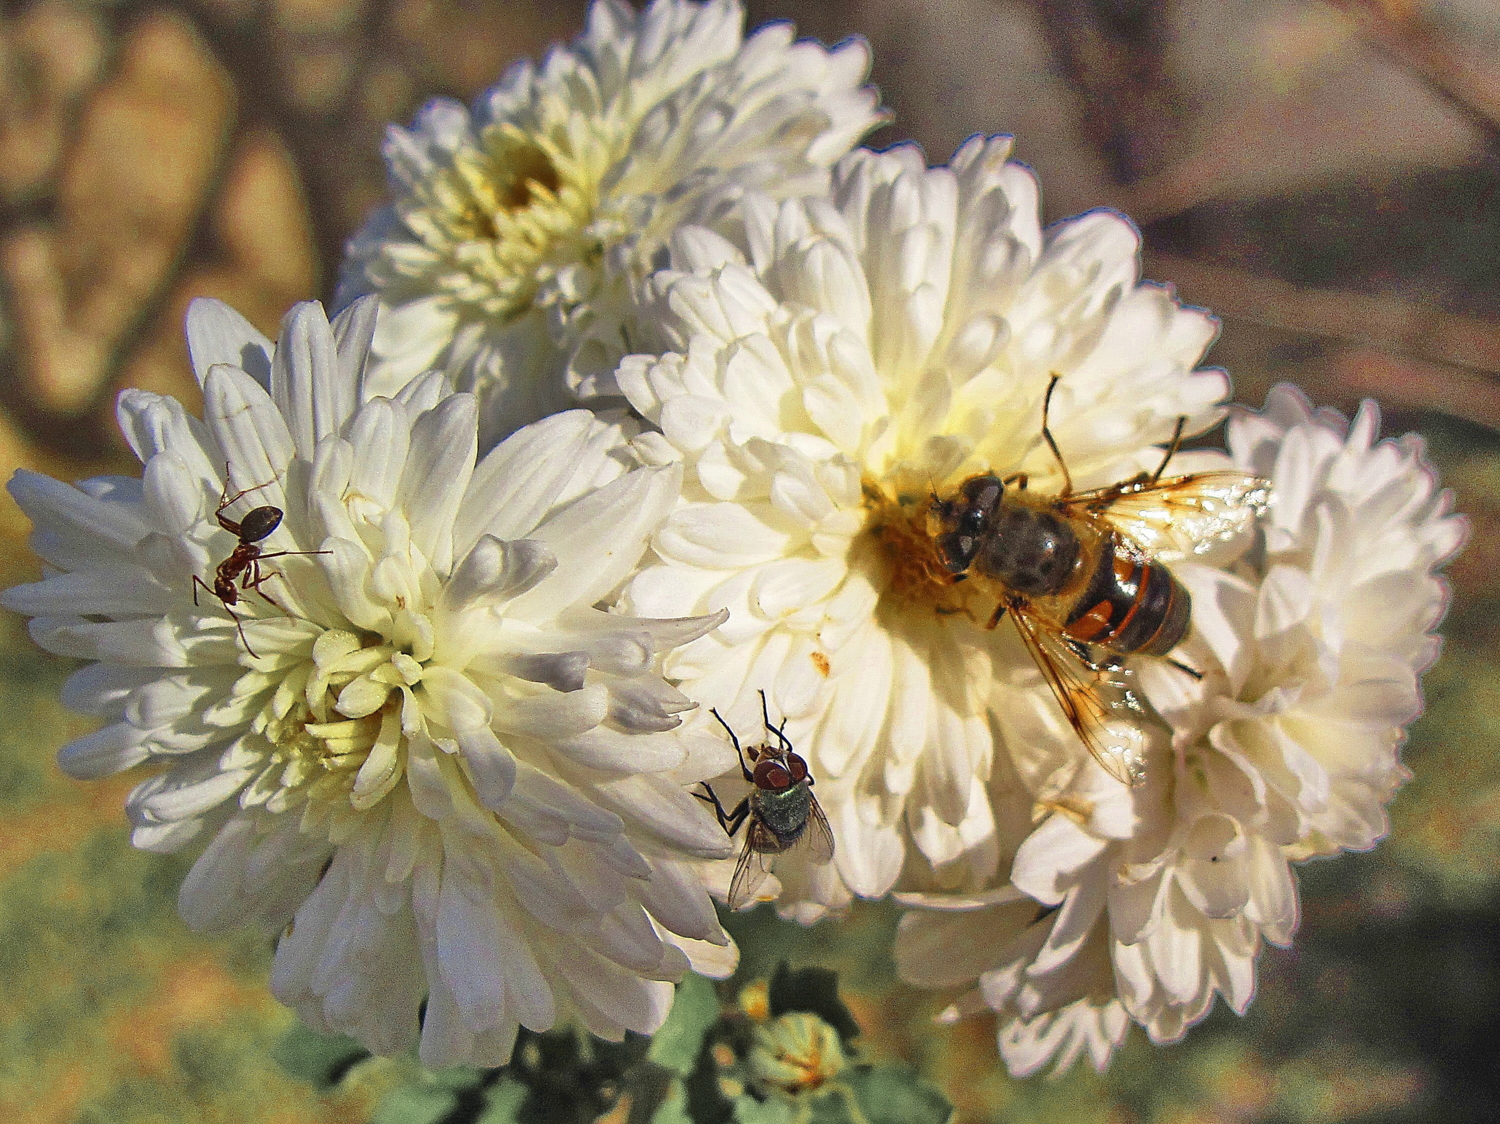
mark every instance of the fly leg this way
{"type": "Point", "coordinates": [729, 821]}
{"type": "Point", "coordinates": [765, 717]}
{"type": "Point", "coordinates": [734, 741]}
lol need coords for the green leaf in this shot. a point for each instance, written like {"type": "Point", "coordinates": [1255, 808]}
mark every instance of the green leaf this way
{"type": "Point", "coordinates": [694, 1010]}
{"type": "Point", "coordinates": [772, 1110]}
{"type": "Point", "coordinates": [504, 1105]}
{"type": "Point", "coordinates": [414, 1104]}
{"type": "Point", "coordinates": [673, 1108]}
{"type": "Point", "coordinates": [891, 1094]}
{"type": "Point", "coordinates": [321, 1059]}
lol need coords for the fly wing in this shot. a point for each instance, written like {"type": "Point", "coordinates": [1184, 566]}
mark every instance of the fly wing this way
{"type": "Point", "coordinates": [1099, 701]}
{"type": "Point", "coordinates": [819, 835]}
{"type": "Point", "coordinates": [754, 863]}
{"type": "Point", "coordinates": [1181, 517]}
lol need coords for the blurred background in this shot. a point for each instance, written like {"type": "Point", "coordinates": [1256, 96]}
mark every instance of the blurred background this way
{"type": "Point", "coordinates": [1321, 175]}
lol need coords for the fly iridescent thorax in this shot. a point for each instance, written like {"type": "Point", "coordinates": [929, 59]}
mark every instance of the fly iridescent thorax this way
{"type": "Point", "coordinates": [781, 810]}
{"type": "Point", "coordinates": [782, 800]}
{"type": "Point", "coordinates": [1084, 575]}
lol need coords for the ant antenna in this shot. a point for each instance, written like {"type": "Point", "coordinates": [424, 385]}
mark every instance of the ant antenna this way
{"type": "Point", "coordinates": [1172, 447]}
{"type": "Point", "coordinates": [1047, 434]}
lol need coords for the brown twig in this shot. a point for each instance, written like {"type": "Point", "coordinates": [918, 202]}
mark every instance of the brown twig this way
{"type": "Point", "coordinates": [1403, 351]}
{"type": "Point", "coordinates": [1474, 92]}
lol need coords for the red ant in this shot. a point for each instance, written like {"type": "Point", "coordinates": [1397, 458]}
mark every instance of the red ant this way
{"type": "Point", "coordinates": [245, 559]}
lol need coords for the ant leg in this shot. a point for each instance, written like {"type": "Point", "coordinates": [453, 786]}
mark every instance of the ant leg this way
{"type": "Point", "coordinates": [197, 581]}
{"type": "Point", "coordinates": [239, 624]}
{"type": "Point", "coordinates": [1172, 447]}
{"type": "Point", "coordinates": [1047, 435]}
{"type": "Point", "coordinates": [253, 580]}
{"type": "Point", "coordinates": [745, 769]}
{"type": "Point", "coordinates": [225, 499]}
{"type": "Point", "coordinates": [729, 821]}
{"type": "Point", "coordinates": [284, 553]}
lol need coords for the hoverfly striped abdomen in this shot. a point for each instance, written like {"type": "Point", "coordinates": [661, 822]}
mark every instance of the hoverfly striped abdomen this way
{"type": "Point", "coordinates": [1132, 605]}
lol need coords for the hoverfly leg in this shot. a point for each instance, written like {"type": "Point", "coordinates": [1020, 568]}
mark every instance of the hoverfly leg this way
{"type": "Point", "coordinates": [1067, 489]}
{"type": "Point", "coordinates": [997, 616]}
{"type": "Point", "coordinates": [1172, 447]}
{"type": "Point", "coordinates": [1182, 667]}
{"type": "Point", "coordinates": [1086, 656]}
{"type": "Point", "coordinates": [1019, 479]}
{"type": "Point", "coordinates": [734, 741]}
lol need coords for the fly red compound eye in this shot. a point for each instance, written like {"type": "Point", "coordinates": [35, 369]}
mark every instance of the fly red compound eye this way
{"type": "Point", "coordinates": [797, 767]}
{"type": "Point", "coordinates": [772, 775]}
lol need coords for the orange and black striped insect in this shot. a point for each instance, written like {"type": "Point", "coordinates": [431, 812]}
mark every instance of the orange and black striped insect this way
{"type": "Point", "coordinates": [1083, 574]}
{"type": "Point", "coordinates": [244, 560]}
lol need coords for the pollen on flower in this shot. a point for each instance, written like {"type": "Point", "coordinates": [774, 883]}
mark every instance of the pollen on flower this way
{"type": "Point", "coordinates": [915, 577]}
{"type": "Point", "coordinates": [334, 723]}
{"type": "Point", "coordinates": [505, 217]}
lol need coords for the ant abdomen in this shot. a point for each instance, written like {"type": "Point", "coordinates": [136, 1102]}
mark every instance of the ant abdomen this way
{"type": "Point", "coordinates": [258, 523]}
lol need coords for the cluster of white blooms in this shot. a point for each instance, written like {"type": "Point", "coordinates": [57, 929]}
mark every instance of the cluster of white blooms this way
{"type": "Point", "coordinates": [411, 642]}
{"type": "Point", "coordinates": [519, 231]}
{"type": "Point", "coordinates": [420, 750]}
{"type": "Point", "coordinates": [1146, 901]}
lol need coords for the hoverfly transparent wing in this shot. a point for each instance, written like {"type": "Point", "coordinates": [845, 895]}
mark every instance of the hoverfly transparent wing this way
{"type": "Point", "coordinates": [753, 865]}
{"type": "Point", "coordinates": [1098, 701]}
{"type": "Point", "coordinates": [819, 835]}
{"type": "Point", "coordinates": [1181, 517]}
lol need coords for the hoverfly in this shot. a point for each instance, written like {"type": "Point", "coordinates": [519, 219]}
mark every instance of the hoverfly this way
{"type": "Point", "coordinates": [1082, 574]}
{"type": "Point", "coordinates": [781, 809]}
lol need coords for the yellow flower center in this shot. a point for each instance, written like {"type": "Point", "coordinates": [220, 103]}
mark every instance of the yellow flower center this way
{"type": "Point", "coordinates": [501, 221]}
{"type": "Point", "coordinates": [899, 520]}
{"type": "Point", "coordinates": [328, 715]}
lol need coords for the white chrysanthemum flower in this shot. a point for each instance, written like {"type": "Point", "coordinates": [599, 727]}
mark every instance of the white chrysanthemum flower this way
{"type": "Point", "coordinates": [861, 353]}
{"type": "Point", "coordinates": [411, 742]}
{"type": "Point", "coordinates": [1311, 646]}
{"type": "Point", "coordinates": [519, 228]}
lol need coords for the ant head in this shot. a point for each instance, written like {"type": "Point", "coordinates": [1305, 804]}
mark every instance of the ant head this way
{"type": "Point", "coordinates": [259, 522]}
